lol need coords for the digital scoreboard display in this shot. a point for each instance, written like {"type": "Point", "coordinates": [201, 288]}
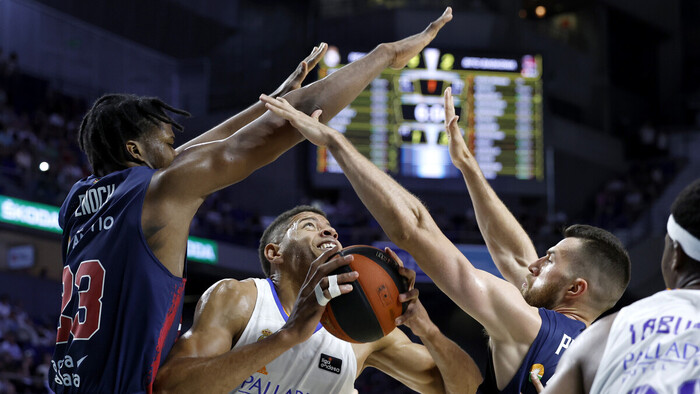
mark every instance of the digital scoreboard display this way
{"type": "Point", "coordinates": [398, 120]}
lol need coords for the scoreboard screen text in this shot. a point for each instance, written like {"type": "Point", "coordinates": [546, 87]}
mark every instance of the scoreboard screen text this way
{"type": "Point", "coordinates": [398, 120]}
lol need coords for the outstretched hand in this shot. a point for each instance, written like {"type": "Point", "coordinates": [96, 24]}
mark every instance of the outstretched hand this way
{"type": "Point", "coordinates": [416, 317]}
{"type": "Point", "coordinates": [459, 151]}
{"type": "Point", "coordinates": [309, 126]}
{"type": "Point", "coordinates": [295, 79]}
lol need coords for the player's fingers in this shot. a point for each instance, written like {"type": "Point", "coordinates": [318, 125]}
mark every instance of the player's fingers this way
{"type": "Point", "coordinates": [317, 114]}
{"type": "Point", "coordinates": [334, 263]}
{"type": "Point", "coordinates": [410, 276]}
{"type": "Point", "coordinates": [329, 288]}
{"type": "Point", "coordinates": [406, 316]}
{"type": "Point", "coordinates": [393, 256]}
{"type": "Point", "coordinates": [409, 295]}
{"type": "Point", "coordinates": [324, 257]}
{"type": "Point", "coordinates": [452, 129]}
{"type": "Point", "coordinates": [279, 107]}
{"type": "Point", "coordinates": [274, 102]}
{"type": "Point", "coordinates": [334, 287]}
{"type": "Point", "coordinates": [311, 54]}
{"type": "Point", "coordinates": [452, 125]}
{"type": "Point", "coordinates": [317, 54]}
{"type": "Point", "coordinates": [278, 111]}
{"type": "Point", "coordinates": [535, 379]}
{"type": "Point", "coordinates": [348, 277]}
{"type": "Point", "coordinates": [269, 101]}
{"type": "Point", "coordinates": [449, 104]}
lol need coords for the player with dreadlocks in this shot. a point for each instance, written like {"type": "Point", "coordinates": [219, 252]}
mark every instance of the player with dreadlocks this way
{"type": "Point", "coordinates": [125, 227]}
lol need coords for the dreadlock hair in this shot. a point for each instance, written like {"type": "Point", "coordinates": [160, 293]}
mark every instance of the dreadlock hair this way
{"type": "Point", "coordinates": [275, 231]}
{"type": "Point", "coordinates": [603, 261]}
{"type": "Point", "coordinates": [686, 209]}
{"type": "Point", "coordinates": [115, 119]}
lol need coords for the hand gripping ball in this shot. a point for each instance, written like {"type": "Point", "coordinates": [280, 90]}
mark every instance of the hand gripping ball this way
{"type": "Point", "coordinates": [367, 313]}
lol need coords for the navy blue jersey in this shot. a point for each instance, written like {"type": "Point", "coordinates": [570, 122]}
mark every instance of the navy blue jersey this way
{"type": "Point", "coordinates": [121, 308]}
{"type": "Point", "coordinates": [555, 336]}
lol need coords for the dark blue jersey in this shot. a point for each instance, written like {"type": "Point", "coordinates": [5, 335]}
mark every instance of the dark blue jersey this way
{"type": "Point", "coordinates": [121, 308]}
{"type": "Point", "coordinates": [555, 336]}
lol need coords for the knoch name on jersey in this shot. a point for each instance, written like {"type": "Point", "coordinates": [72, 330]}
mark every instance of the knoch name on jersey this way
{"type": "Point", "coordinates": [93, 199]}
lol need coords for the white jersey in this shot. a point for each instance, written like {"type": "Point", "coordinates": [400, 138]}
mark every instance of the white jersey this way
{"type": "Point", "coordinates": [653, 346]}
{"type": "Point", "coordinates": [322, 364]}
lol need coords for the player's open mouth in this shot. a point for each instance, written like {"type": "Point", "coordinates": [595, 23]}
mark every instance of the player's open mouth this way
{"type": "Point", "coordinates": [327, 245]}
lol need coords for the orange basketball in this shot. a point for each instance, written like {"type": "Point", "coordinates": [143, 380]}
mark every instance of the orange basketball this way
{"type": "Point", "coordinates": [368, 312]}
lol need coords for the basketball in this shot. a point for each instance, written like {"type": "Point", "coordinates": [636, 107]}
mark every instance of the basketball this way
{"type": "Point", "coordinates": [367, 313]}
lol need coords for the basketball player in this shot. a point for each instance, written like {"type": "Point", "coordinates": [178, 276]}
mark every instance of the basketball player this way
{"type": "Point", "coordinates": [243, 313]}
{"type": "Point", "coordinates": [564, 291]}
{"type": "Point", "coordinates": [126, 226]}
{"type": "Point", "coordinates": [651, 346]}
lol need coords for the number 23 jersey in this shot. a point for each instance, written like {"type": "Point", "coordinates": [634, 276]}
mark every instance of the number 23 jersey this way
{"type": "Point", "coordinates": [120, 307]}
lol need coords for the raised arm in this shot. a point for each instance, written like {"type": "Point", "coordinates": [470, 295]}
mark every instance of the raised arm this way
{"type": "Point", "coordinates": [209, 166]}
{"type": "Point", "coordinates": [203, 357]}
{"type": "Point", "coordinates": [495, 303]}
{"type": "Point", "coordinates": [508, 243]}
{"type": "Point", "coordinates": [234, 123]}
{"type": "Point", "coordinates": [176, 192]}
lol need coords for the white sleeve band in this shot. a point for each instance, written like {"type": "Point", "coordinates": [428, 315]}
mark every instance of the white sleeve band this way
{"type": "Point", "coordinates": [333, 287]}
{"type": "Point", "coordinates": [690, 244]}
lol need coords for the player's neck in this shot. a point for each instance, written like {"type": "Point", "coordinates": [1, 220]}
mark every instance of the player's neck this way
{"type": "Point", "coordinates": [575, 314]}
{"type": "Point", "coordinates": [286, 291]}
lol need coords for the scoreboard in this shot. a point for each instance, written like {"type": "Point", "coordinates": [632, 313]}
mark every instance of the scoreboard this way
{"type": "Point", "coordinates": [398, 120]}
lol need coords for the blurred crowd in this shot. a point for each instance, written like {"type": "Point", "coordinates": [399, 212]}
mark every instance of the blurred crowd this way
{"type": "Point", "coordinates": [26, 345]}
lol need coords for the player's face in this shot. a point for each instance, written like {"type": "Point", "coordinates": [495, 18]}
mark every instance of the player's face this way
{"type": "Point", "coordinates": [549, 276]}
{"type": "Point", "coordinates": [157, 146]}
{"type": "Point", "coordinates": [308, 236]}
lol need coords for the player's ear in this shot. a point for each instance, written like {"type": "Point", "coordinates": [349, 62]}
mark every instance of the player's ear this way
{"type": "Point", "coordinates": [577, 288]}
{"type": "Point", "coordinates": [679, 257]}
{"type": "Point", "coordinates": [134, 150]}
{"type": "Point", "coordinates": [272, 253]}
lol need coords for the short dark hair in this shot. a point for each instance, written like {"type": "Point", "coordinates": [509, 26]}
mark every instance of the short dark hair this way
{"type": "Point", "coordinates": [604, 253]}
{"type": "Point", "coordinates": [686, 208]}
{"type": "Point", "coordinates": [274, 232]}
{"type": "Point", "coordinates": [115, 119]}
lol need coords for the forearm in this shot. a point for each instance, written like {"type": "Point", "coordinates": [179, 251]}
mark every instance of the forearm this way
{"type": "Point", "coordinates": [508, 243]}
{"type": "Point", "coordinates": [262, 139]}
{"type": "Point", "coordinates": [459, 371]}
{"type": "Point", "coordinates": [228, 127]}
{"type": "Point", "coordinates": [336, 91]}
{"type": "Point", "coordinates": [220, 373]}
{"type": "Point", "coordinates": [397, 211]}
